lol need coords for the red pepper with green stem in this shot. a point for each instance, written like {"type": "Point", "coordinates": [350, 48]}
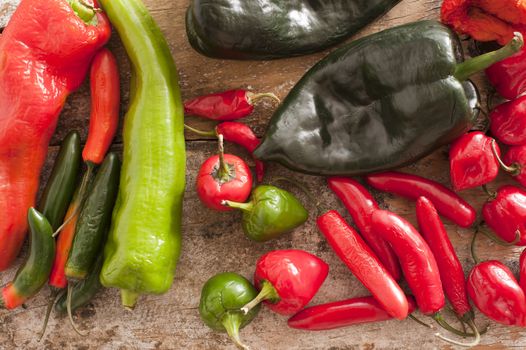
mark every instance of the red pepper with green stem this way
{"type": "Point", "coordinates": [516, 158]}
{"type": "Point", "coordinates": [361, 204]}
{"type": "Point", "coordinates": [52, 66]}
{"type": "Point", "coordinates": [508, 122]}
{"type": "Point", "coordinates": [287, 280]}
{"type": "Point", "coordinates": [508, 77]}
{"type": "Point", "coordinates": [447, 202]}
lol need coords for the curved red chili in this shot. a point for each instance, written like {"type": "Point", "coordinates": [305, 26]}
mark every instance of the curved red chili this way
{"type": "Point", "coordinates": [451, 272]}
{"type": "Point", "coordinates": [447, 202]}
{"type": "Point", "coordinates": [342, 314]}
{"type": "Point", "coordinates": [418, 263]}
{"type": "Point", "coordinates": [363, 263]}
{"type": "Point", "coordinates": [508, 122]}
{"type": "Point", "coordinates": [361, 204]}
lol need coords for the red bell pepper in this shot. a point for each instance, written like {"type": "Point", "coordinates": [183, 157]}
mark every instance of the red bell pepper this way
{"type": "Point", "coordinates": [45, 52]}
{"type": "Point", "coordinates": [508, 122]}
{"type": "Point", "coordinates": [287, 280]}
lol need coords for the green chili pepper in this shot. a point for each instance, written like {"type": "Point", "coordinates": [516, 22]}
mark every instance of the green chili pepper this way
{"type": "Point", "coordinates": [144, 242]}
{"type": "Point", "coordinates": [62, 181]}
{"type": "Point", "coordinates": [222, 298]}
{"type": "Point", "coordinates": [33, 274]}
{"type": "Point", "coordinates": [270, 213]}
{"type": "Point", "coordinates": [381, 102]}
{"type": "Point", "coordinates": [278, 28]}
{"type": "Point", "coordinates": [83, 291]}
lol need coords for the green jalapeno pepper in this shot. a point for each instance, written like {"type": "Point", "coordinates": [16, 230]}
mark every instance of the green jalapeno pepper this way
{"type": "Point", "coordinates": [222, 298]}
{"type": "Point", "coordinates": [144, 242]}
{"type": "Point", "coordinates": [33, 274]}
{"type": "Point", "coordinates": [381, 102]}
{"type": "Point", "coordinates": [62, 181]}
{"type": "Point", "coordinates": [270, 213]}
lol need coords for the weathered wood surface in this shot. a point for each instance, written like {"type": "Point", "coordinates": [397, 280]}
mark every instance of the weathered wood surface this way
{"type": "Point", "coordinates": [214, 242]}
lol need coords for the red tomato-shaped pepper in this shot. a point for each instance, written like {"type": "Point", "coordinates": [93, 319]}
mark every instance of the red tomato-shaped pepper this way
{"type": "Point", "coordinates": [508, 122]}
{"type": "Point", "coordinates": [516, 163]}
{"type": "Point", "coordinates": [472, 162]}
{"type": "Point", "coordinates": [496, 293]}
{"type": "Point", "coordinates": [506, 214]}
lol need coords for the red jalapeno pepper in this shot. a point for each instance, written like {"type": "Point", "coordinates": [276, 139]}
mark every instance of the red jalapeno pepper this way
{"type": "Point", "coordinates": [508, 122]}
{"type": "Point", "coordinates": [363, 263]}
{"type": "Point", "coordinates": [227, 105]}
{"type": "Point", "coordinates": [223, 177]}
{"type": "Point", "coordinates": [287, 280]}
{"type": "Point", "coordinates": [522, 272]}
{"type": "Point", "coordinates": [342, 314]}
{"type": "Point", "coordinates": [361, 204]}
{"type": "Point", "coordinates": [472, 161]}
{"type": "Point", "coordinates": [447, 202]}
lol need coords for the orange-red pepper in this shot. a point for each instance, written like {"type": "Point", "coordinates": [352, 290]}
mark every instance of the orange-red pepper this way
{"type": "Point", "coordinates": [45, 52]}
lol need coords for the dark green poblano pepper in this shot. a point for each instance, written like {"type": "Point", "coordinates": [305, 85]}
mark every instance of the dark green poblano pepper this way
{"type": "Point", "coordinates": [381, 102]}
{"type": "Point", "coordinates": [277, 28]}
{"type": "Point", "coordinates": [270, 213]}
{"type": "Point", "coordinates": [222, 298]}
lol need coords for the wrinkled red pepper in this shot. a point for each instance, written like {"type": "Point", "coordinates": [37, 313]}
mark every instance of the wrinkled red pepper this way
{"type": "Point", "coordinates": [45, 52]}
{"type": "Point", "coordinates": [508, 122]}
{"type": "Point", "coordinates": [508, 76]}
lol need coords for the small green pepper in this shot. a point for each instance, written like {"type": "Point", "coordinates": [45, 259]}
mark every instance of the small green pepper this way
{"type": "Point", "coordinates": [270, 213]}
{"type": "Point", "coordinates": [222, 298]}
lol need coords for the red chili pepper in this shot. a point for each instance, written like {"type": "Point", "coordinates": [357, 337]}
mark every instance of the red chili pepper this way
{"type": "Point", "coordinates": [363, 263]}
{"type": "Point", "coordinates": [418, 263]}
{"type": "Point", "coordinates": [228, 105]}
{"type": "Point", "coordinates": [287, 280]}
{"type": "Point", "coordinates": [447, 202]}
{"type": "Point", "coordinates": [361, 204]}
{"type": "Point", "coordinates": [505, 214]}
{"type": "Point", "coordinates": [508, 122]}
{"type": "Point", "coordinates": [105, 100]}
{"type": "Point", "coordinates": [451, 272]}
{"type": "Point", "coordinates": [516, 158]}
{"type": "Point", "coordinates": [522, 272]}
{"type": "Point", "coordinates": [46, 49]}
{"type": "Point", "coordinates": [509, 76]}
{"type": "Point", "coordinates": [223, 177]}
{"type": "Point", "coordinates": [496, 293]}
{"type": "Point", "coordinates": [472, 162]}
{"type": "Point", "coordinates": [342, 314]}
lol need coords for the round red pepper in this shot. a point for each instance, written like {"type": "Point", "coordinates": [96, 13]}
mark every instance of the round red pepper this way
{"type": "Point", "coordinates": [287, 280]}
{"type": "Point", "coordinates": [361, 204]}
{"type": "Point", "coordinates": [342, 314]}
{"type": "Point", "coordinates": [509, 76]}
{"type": "Point", "coordinates": [223, 177]}
{"type": "Point", "coordinates": [363, 263]}
{"type": "Point", "coordinates": [508, 122]}
{"type": "Point", "coordinates": [447, 202]}
{"type": "Point", "coordinates": [516, 158]}
{"type": "Point", "coordinates": [472, 162]}
{"type": "Point", "coordinates": [496, 293]}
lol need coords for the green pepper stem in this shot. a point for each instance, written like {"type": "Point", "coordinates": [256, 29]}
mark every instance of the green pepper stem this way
{"type": "Point", "coordinates": [267, 292]}
{"type": "Point", "coordinates": [223, 172]}
{"type": "Point", "coordinates": [513, 170]}
{"type": "Point", "coordinates": [500, 241]}
{"type": "Point", "coordinates": [253, 98]}
{"type": "Point", "coordinates": [68, 307]}
{"type": "Point", "coordinates": [474, 255]}
{"type": "Point", "coordinates": [211, 133]}
{"type": "Point", "coordinates": [443, 323]}
{"type": "Point", "coordinates": [420, 322]}
{"type": "Point", "coordinates": [474, 343]}
{"type": "Point", "coordinates": [55, 295]}
{"type": "Point", "coordinates": [232, 323]}
{"type": "Point", "coordinates": [129, 298]}
{"type": "Point", "coordinates": [85, 12]}
{"type": "Point", "coordinates": [477, 64]}
{"type": "Point", "coordinates": [242, 206]}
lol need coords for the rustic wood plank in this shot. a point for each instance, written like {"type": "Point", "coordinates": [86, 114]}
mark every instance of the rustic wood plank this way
{"type": "Point", "coordinates": [214, 242]}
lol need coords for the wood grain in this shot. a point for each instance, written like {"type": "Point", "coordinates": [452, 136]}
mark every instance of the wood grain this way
{"type": "Point", "coordinates": [215, 243]}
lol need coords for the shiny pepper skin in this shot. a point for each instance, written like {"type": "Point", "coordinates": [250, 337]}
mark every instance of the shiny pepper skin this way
{"type": "Point", "coordinates": [472, 162]}
{"type": "Point", "coordinates": [496, 293]}
{"type": "Point", "coordinates": [508, 122]}
{"type": "Point", "coordinates": [516, 159]}
{"type": "Point", "coordinates": [506, 213]}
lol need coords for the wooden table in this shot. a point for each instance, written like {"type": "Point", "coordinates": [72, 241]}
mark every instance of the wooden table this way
{"type": "Point", "coordinates": [213, 242]}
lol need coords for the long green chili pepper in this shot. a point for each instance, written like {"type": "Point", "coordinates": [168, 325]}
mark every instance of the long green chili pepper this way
{"type": "Point", "coordinates": [62, 181]}
{"type": "Point", "coordinates": [33, 274]}
{"type": "Point", "coordinates": [144, 242]}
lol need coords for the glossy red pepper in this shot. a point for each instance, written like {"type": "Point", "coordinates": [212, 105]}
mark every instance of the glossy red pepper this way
{"type": "Point", "coordinates": [416, 258]}
{"type": "Point", "coordinates": [496, 293]}
{"type": "Point", "coordinates": [342, 314]}
{"type": "Point", "coordinates": [223, 177]}
{"type": "Point", "coordinates": [508, 76]}
{"type": "Point", "coordinates": [287, 280]}
{"type": "Point", "coordinates": [363, 263]}
{"type": "Point", "coordinates": [361, 204]}
{"type": "Point", "coordinates": [508, 122]}
{"type": "Point", "coordinates": [45, 53]}
{"type": "Point", "coordinates": [472, 162]}
{"type": "Point", "coordinates": [227, 105]}
{"type": "Point", "coordinates": [514, 162]}
{"type": "Point", "coordinates": [451, 272]}
{"type": "Point", "coordinates": [505, 214]}
{"type": "Point", "coordinates": [522, 271]}
{"type": "Point", "coordinates": [447, 202]}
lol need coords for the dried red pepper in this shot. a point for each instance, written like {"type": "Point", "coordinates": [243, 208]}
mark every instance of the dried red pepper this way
{"type": "Point", "coordinates": [39, 70]}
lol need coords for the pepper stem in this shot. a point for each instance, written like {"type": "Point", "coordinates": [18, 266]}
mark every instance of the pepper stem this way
{"type": "Point", "coordinates": [55, 295]}
{"type": "Point", "coordinates": [211, 133]}
{"type": "Point", "coordinates": [419, 321]}
{"type": "Point", "coordinates": [242, 206]}
{"type": "Point", "coordinates": [223, 172]}
{"type": "Point", "coordinates": [514, 169]}
{"type": "Point", "coordinates": [85, 11]}
{"type": "Point", "coordinates": [474, 255]}
{"type": "Point", "coordinates": [502, 242]}
{"type": "Point", "coordinates": [476, 64]}
{"type": "Point", "coordinates": [267, 292]}
{"type": "Point", "coordinates": [474, 343]}
{"type": "Point", "coordinates": [129, 298]}
{"type": "Point", "coordinates": [68, 307]}
{"type": "Point", "coordinates": [253, 98]}
{"type": "Point", "coordinates": [491, 195]}
{"type": "Point", "coordinates": [232, 322]}
{"type": "Point", "coordinates": [443, 323]}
